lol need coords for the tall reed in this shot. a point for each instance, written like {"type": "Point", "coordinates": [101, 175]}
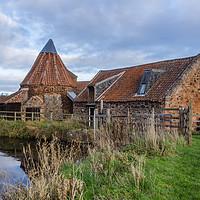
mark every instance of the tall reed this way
{"type": "Point", "coordinates": [114, 168]}
{"type": "Point", "coordinates": [46, 181]}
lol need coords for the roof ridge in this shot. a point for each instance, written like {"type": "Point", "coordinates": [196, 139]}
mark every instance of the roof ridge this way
{"type": "Point", "coordinates": [127, 86]}
{"type": "Point", "coordinates": [146, 64]}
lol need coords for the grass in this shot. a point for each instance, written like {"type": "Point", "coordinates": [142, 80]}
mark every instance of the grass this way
{"type": "Point", "coordinates": [152, 165]}
{"type": "Point", "coordinates": [175, 177]}
{"type": "Point", "coordinates": [122, 173]}
{"type": "Point", "coordinates": [125, 174]}
{"type": "Point", "coordinates": [37, 129]}
{"type": "Point", "coordinates": [46, 181]}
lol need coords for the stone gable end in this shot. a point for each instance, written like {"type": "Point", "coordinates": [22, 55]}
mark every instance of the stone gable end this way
{"type": "Point", "coordinates": [186, 90]}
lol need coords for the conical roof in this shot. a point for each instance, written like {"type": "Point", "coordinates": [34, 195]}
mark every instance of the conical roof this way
{"type": "Point", "coordinates": [48, 69]}
{"type": "Point", "coordinates": [49, 47]}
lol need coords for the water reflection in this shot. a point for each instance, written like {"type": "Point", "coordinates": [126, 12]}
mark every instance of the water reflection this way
{"type": "Point", "coordinates": [11, 155]}
{"type": "Point", "coordinates": [10, 171]}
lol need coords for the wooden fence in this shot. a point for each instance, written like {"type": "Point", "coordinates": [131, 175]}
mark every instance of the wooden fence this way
{"type": "Point", "coordinates": [167, 118]}
{"type": "Point", "coordinates": [87, 120]}
{"type": "Point", "coordinates": [170, 118]}
{"type": "Point", "coordinates": [32, 116]}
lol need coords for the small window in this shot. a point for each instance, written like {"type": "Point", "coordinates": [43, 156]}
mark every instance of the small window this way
{"type": "Point", "coordinates": [143, 88]}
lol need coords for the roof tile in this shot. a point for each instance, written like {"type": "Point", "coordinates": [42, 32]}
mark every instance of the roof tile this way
{"type": "Point", "coordinates": [48, 69]}
{"type": "Point", "coordinates": [16, 97]}
{"type": "Point", "coordinates": [126, 87]}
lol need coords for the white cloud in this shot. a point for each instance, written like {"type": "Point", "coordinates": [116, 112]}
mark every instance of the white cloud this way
{"type": "Point", "coordinates": [14, 58]}
{"type": "Point", "coordinates": [7, 162]}
{"type": "Point", "coordinates": [91, 35]}
{"type": "Point", "coordinates": [6, 21]}
{"type": "Point", "coordinates": [10, 79]}
{"type": "Point", "coordinates": [11, 33]}
{"type": "Point", "coordinates": [12, 74]}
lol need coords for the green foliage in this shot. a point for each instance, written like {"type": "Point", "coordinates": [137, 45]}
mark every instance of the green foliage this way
{"type": "Point", "coordinates": [139, 171]}
{"type": "Point", "coordinates": [175, 177]}
{"type": "Point", "coordinates": [37, 129]}
{"type": "Point", "coordinates": [107, 175]}
{"type": "Point", "coordinates": [163, 145]}
{"type": "Point", "coordinates": [153, 166]}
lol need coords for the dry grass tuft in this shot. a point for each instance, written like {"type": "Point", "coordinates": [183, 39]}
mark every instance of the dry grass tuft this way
{"type": "Point", "coordinates": [46, 181]}
{"type": "Point", "coordinates": [114, 169]}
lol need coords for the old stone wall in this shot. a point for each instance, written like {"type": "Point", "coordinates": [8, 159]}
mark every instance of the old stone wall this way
{"type": "Point", "coordinates": [121, 108]}
{"type": "Point", "coordinates": [53, 103]}
{"type": "Point", "coordinates": [186, 90]}
{"type": "Point", "coordinates": [33, 102]}
{"type": "Point", "coordinates": [80, 108]}
{"type": "Point", "coordinates": [43, 89]}
{"type": "Point", "coordinates": [66, 104]}
{"type": "Point", "coordinates": [117, 108]}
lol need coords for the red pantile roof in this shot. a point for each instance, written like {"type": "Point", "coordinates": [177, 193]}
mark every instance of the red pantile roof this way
{"type": "Point", "coordinates": [48, 69]}
{"type": "Point", "coordinates": [81, 85]}
{"type": "Point", "coordinates": [16, 97]}
{"type": "Point", "coordinates": [126, 87]}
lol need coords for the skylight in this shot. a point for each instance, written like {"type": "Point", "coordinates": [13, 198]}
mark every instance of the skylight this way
{"type": "Point", "coordinates": [149, 78]}
{"type": "Point", "coordinates": [144, 81]}
{"type": "Point", "coordinates": [143, 88]}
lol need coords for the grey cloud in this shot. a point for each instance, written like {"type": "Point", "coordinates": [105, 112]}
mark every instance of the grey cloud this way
{"type": "Point", "coordinates": [16, 58]}
{"type": "Point", "coordinates": [102, 24]}
{"type": "Point", "coordinates": [11, 33]}
{"type": "Point", "coordinates": [91, 34]}
{"type": "Point", "coordinates": [112, 59]}
{"type": "Point", "coordinates": [9, 88]}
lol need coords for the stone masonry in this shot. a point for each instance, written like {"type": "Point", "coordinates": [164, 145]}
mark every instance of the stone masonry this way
{"type": "Point", "coordinates": [187, 90]}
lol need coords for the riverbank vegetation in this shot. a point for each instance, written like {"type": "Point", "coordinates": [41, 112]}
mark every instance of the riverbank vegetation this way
{"type": "Point", "coordinates": [149, 165]}
{"type": "Point", "coordinates": [37, 129]}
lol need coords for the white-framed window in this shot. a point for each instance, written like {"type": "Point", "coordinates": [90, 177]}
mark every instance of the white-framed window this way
{"type": "Point", "coordinates": [143, 88]}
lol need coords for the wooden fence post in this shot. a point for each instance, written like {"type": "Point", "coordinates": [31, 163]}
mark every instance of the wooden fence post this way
{"type": "Point", "coordinates": [171, 123]}
{"type": "Point", "coordinates": [108, 116]}
{"type": "Point", "coordinates": [32, 114]}
{"type": "Point", "coordinates": [51, 116]}
{"type": "Point", "coordinates": [95, 122]}
{"type": "Point", "coordinates": [181, 120]}
{"type": "Point", "coordinates": [190, 124]}
{"type": "Point", "coordinates": [96, 118]}
{"type": "Point", "coordinates": [128, 119]}
{"type": "Point", "coordinates": [15, 116]}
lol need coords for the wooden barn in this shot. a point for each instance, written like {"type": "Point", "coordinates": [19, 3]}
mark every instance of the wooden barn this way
{"type": "Point", "coordinates": [48, 87]}
{"type": "Point", "coordinates": [165, 84]}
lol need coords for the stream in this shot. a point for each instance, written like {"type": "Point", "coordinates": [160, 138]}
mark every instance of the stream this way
{"type": "Point", "coordinates": [11, 154]}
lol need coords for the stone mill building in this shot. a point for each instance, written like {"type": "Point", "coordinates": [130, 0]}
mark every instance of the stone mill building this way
{"type": "Point", "coordinates": [48, 87]}
{"type": "Point", "coordinates": [164, 84]}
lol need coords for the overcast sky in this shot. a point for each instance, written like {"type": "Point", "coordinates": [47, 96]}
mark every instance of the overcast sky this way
{"type": "Point", "coordinates": [91, 35]}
